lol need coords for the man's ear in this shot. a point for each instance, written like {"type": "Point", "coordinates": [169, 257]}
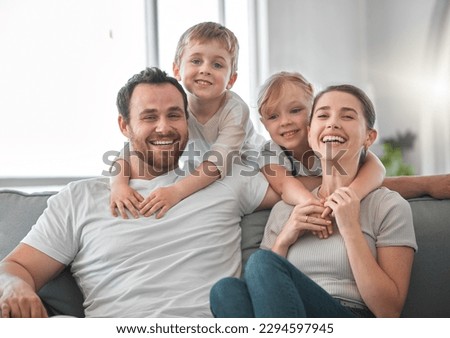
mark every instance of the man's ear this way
{"type": "Point", "coordinates": [123, 125]}
{"type": "Point", "coordinates": [232, 80]}
{"type": "Point", "coordinates": [176, 71]}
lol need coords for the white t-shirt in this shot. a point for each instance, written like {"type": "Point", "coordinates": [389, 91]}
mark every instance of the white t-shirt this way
{"type": "Point", "coordinates": [228, 134]}
{"type": "Point", "coordinates": [386, 220]}
{"type": "Point", "coordinates": [148, 267]}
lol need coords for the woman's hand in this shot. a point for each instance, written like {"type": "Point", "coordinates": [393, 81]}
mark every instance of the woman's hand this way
{"type": "Point", "coordinates": [303, 218]}
{"type": "Point", "coordinates": [345, 205]}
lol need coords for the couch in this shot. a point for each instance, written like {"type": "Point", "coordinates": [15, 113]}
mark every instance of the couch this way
{"type": "Point", "coordinates": [429, 293]}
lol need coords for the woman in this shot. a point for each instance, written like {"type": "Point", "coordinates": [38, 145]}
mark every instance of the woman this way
{"type": "Point", "coordinates": [364, 268]}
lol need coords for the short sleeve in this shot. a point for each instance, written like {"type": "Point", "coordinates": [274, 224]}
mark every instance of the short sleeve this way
{"type": "Point", "coordinates": [53, 233]}
{"type": "Point", "coordinates": [277, 219]}
{"type": "Point", "coordinates": [396, 227]}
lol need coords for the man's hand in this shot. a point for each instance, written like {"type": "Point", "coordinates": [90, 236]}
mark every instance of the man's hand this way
{"type": "Point", "coordinates": [19, 300]}
{"type": "Point", "coordinates": [161, 199]}
{"type": "Point", "coordinates": [439, 186]}
{"type": "Point", "coordinates": [123, 198]}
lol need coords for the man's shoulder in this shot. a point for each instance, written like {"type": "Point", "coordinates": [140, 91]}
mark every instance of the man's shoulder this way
{"type": "Point", "coordinates": [85, 185]}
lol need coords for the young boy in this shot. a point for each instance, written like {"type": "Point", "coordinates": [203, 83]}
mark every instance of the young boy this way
{"type": "Point", "coordinates": [205, 62]}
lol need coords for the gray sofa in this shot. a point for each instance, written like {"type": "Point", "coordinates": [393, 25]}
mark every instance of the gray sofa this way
{"type": "Point", "coordinates": [429, 294]}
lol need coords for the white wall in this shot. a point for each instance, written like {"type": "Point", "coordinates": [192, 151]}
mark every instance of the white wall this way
{"type": "Point", "coordinates": [377, 45]}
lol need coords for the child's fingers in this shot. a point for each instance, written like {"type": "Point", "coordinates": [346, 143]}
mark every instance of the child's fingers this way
{"type": "Point", "coordinates": [138, 197]}
{"type": "Point", "coordinates": [122, 211]}
{"type": "Point", "coordinates": [326, 212]}
{"type": "Point", "coordinates": [132, 208]}
{"type": "Point", "coordinates": [162, 211]}
{"type": "Point", "coordinates": [113, 207]}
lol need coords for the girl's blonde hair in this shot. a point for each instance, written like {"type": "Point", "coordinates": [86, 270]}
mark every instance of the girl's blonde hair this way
{"type": "Point", "coordinates": [209, 31]}
{"type": "Point", "coordinates": [271, 89]}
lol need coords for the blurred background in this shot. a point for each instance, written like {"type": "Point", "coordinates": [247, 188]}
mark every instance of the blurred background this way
{"type": "Point", "coordinates": [62, 63]}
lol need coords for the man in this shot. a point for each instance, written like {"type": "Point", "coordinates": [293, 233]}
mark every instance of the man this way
{"type": "Point", "coordinates": [143, 267]}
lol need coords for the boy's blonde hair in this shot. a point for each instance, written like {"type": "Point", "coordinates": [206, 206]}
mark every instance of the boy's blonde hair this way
{"type": "Point", "coordinates": [271, 89]}
{"type": "Point", "coordinates": [210, 31]}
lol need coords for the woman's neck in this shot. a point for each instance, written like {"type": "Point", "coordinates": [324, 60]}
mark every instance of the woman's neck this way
{"type": "Point", "coordinates": [334, 176]}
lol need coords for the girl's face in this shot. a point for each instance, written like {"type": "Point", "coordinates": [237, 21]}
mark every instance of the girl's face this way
{"type": "Point", "coordinates": [205, 70]}
{"type": "Point", "coordinates": [338, 127]}
{"type": "Point", "coordinates": [286, 118]}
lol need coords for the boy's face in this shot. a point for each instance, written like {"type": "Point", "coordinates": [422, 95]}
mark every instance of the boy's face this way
{"type": "Point", "coordinates": [286, 118]}
{"type": "Point", "coordinates": [205, 70]}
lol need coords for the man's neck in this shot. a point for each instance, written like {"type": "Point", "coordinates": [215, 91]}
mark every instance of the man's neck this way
{"type": "Point", "coordinates": [141, 170]}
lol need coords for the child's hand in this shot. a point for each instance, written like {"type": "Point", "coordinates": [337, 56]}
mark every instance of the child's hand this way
{"type": "Point", "coordinates": [122, 198]}
{"type": "Point", "coordinates": [161, 199]}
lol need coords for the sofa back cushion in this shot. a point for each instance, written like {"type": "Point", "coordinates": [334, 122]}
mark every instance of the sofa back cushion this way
{"type": "Point", "coordinates": [429, 290]}
{"type": "Point", "coordinates": [18, 212]}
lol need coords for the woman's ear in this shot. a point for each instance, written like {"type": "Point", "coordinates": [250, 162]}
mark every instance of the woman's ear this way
{"type": "Point", "coordinates": [371, 137]}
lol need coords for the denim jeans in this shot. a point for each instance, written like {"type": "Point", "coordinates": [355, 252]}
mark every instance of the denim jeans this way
{"type": "Point", "coordinates": [273, 288]}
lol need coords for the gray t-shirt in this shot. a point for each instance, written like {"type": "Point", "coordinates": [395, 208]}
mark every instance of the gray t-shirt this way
{"type": "Point", "coordinates": [148, 267]}
{"type": "Point", "coordinates": [386, 220]}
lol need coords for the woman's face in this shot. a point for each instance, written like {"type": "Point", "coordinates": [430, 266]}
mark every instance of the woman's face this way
{"type": "Point", "coordinates": [286, 118]}
{"type": "Point", "coordinates": [338, 127]}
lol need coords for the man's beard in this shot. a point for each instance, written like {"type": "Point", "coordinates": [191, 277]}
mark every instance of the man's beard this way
{"type": "Point", "coordinates": [157, 162]}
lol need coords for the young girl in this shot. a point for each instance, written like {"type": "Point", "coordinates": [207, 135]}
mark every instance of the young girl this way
{"type": "Point", "coordinates": [287, 160]}
{"type": "Point", "coordinates": [205, 62]}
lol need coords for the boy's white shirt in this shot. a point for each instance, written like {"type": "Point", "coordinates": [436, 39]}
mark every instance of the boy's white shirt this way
{"type": "Point", "coordinates": [229, 132]}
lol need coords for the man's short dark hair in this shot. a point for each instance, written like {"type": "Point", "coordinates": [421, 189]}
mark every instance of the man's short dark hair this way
{"type": "Point", "coordinates": [150, 75]}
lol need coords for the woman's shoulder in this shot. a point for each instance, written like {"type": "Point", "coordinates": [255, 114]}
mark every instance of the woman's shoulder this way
{"type": "Point", "coordinates": [383, 201]}
{"type": "Point", "coordinates": [383, 194]}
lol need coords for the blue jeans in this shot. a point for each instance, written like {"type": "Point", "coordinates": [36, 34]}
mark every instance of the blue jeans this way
{"type": "Point", "coordinates": [273, 288]}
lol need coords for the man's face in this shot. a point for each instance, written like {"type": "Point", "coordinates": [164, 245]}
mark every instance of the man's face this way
{"type": "Point", "coordinates": [157, 128]}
